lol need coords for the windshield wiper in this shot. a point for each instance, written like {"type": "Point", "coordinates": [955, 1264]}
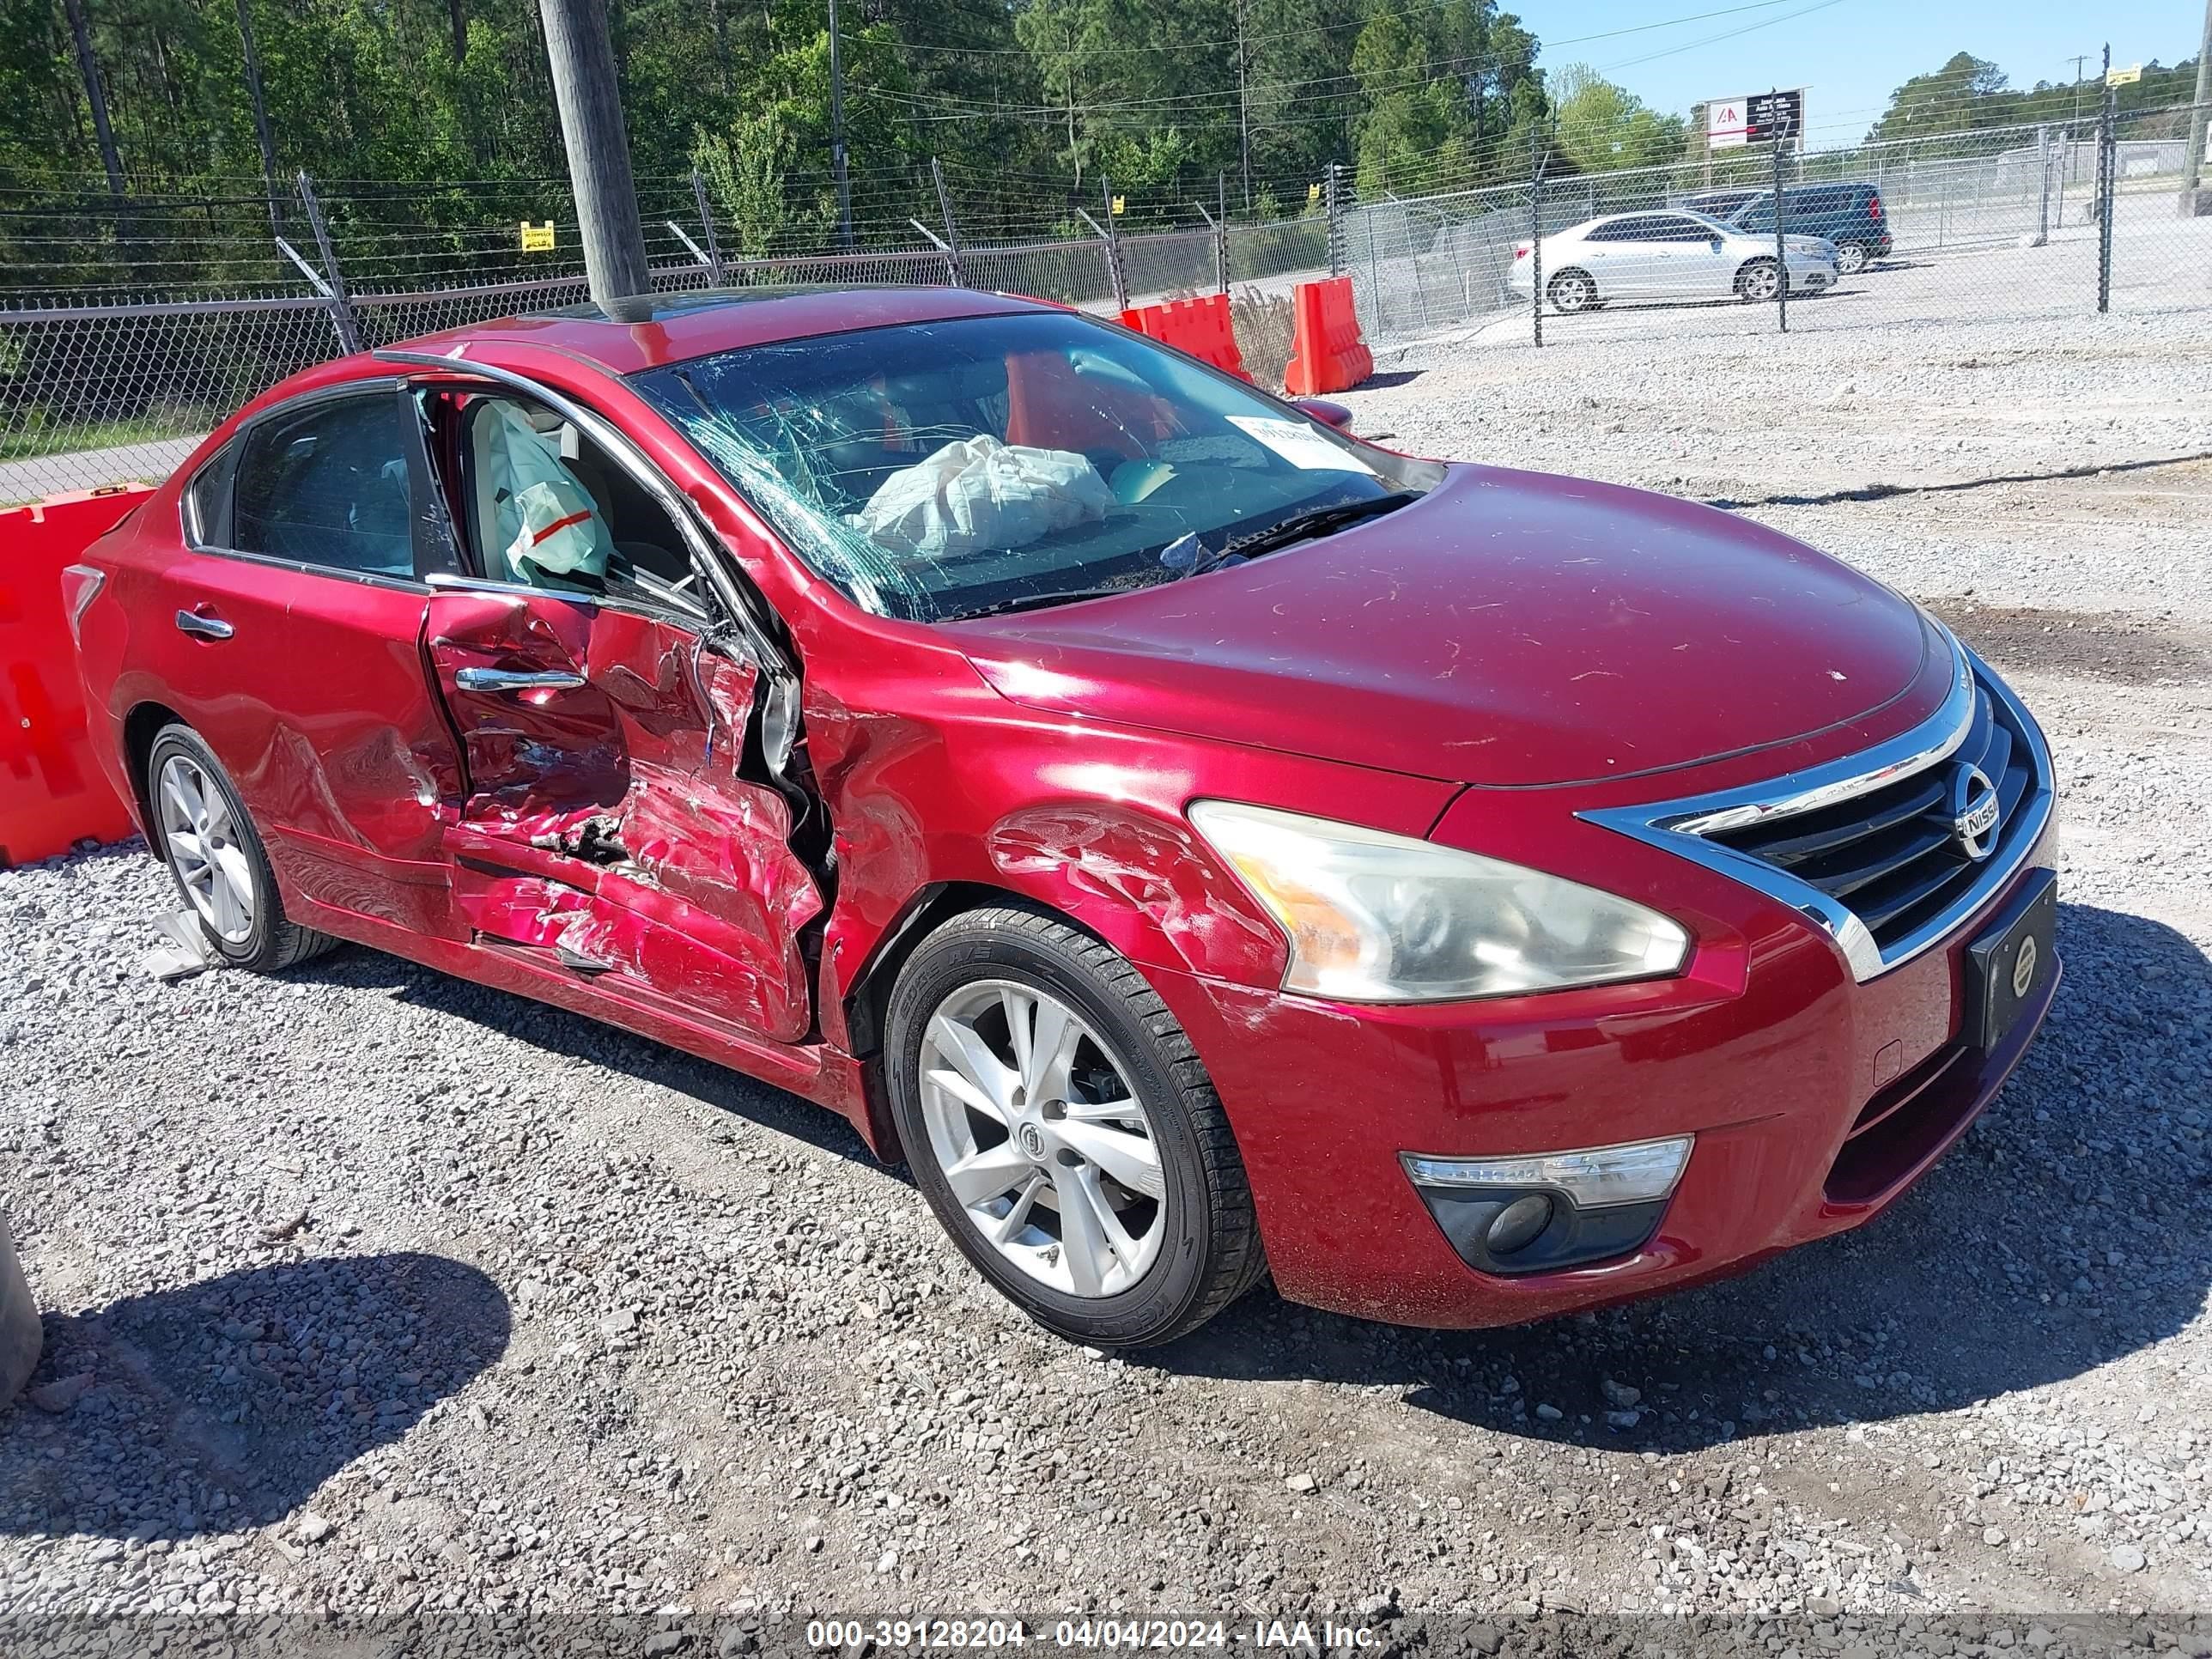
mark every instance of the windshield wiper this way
{"type": "Point", "coordinates": [1322, 521]}
{"type": "Point", "coordinates": [1033, 601]}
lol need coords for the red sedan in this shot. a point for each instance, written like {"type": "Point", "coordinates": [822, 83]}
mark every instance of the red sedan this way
{"type": "Point", "coordinates": [1201, 844]}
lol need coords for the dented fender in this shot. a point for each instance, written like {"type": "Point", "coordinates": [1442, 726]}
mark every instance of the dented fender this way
{"type": "Point", "coordinates": [963, 788]}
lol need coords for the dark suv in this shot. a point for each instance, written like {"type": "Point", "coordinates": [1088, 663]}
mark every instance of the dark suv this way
{"type": "Point", "coordinates": [1849, 216]}
{"type": "Point", "coordinates": [1718, 204]}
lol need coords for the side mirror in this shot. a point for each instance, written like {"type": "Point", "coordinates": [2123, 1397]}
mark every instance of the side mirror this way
{"type": "Point", "coordinates": [1717, 242]}
{"type": "Point", "coordinates": [1328, 413]}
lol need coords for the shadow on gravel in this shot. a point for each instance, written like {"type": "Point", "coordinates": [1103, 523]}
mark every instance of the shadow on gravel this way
{"type": "Point", "coordinates": [2071, 1226]}
{"type": "Point", "coordinates": [556, 1031]}
{"type": "Point", "coordinates": [224, 1404]}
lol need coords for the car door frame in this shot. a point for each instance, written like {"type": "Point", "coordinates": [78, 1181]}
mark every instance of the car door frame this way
{"type": "Point", "coordinates": [1693, 264]}
{"type": "Point", "coordinates": [1635, 267]}
{"type": "Point", "coordinates": [733, 619]}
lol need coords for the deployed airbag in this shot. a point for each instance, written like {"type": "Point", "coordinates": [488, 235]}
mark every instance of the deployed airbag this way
{"type": "Point", "coordinates": [981, 494]}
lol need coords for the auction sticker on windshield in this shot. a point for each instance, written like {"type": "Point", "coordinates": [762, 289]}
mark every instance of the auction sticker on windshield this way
{"type": "Point", "coordinates": [1301, 445]}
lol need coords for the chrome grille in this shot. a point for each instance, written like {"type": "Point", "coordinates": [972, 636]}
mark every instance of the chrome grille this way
{"type": "Point", "coordinates": [1896, 855]}
{"type": "Point", "coordinates": [1875, 848]}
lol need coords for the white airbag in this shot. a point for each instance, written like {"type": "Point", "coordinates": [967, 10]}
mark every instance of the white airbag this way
{"type": "Point", "coordinates": [981, 494]}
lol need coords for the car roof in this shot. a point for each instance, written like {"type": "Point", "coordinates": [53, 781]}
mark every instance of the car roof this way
{"type": "Point", "coordinates": [659, 329]}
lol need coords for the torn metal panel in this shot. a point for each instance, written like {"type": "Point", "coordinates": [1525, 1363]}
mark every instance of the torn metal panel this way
{"type": "Point", "coordinates": [620, 823]}
{"type": "Point", "coordinates": [523, 747]}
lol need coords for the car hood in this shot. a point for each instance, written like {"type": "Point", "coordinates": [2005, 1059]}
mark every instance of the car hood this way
{"type": "Point", "coordinates": [1509, 628]}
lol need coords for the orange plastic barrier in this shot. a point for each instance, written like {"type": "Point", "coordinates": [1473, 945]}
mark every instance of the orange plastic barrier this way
{"type": "Point", "coordinates": [1201, 327]}
{"type": "Point", "coordinates": [53, 794]}
{"type": "Point", "coordinates": [1327, 354]}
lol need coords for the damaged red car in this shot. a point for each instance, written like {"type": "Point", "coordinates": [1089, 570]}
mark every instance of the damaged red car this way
{"type": "Point", "coordinates": [1201, 843]}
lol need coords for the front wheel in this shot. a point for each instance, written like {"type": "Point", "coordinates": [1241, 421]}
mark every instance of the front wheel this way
{"type": "Point", "coordinates": [1060, 1126]}
{"type": "Point", "coordinates": [1760, 280]}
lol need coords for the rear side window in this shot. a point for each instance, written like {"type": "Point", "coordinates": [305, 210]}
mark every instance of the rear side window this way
{"type": "Point", "coordinates": [207, 500]}
{"type": "Point", "coordinates": [329, 485]}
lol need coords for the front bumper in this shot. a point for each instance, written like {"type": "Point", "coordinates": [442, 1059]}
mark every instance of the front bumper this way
{"type": "Point", "coordinates": [1772, 1070]}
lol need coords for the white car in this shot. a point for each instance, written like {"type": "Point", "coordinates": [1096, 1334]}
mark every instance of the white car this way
{"type": "Point", "coordinates": [1669, 255]}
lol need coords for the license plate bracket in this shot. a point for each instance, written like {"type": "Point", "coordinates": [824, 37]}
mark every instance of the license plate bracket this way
{"type": "Point", "coordinates": [2008, 961]}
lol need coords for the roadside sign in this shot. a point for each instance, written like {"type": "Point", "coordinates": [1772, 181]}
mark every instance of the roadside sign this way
{"type": "Point", "coordinates": [2125, 77]}
{"type": "Point", "coordinates": [1118, 201]}
{"type": "Point", "coordinates": [1755, 119]}
{"type": "Point", "coordinates": [1313, 194]}
{"type": "Point", "coordinates": [537, 239]}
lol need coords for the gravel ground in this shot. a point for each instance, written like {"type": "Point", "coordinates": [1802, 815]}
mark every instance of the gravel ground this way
{"type": "Point", "coordinates": [379, 1295]}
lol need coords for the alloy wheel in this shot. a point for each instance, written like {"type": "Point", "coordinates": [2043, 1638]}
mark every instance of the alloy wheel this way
{"type": "Point", "coordinates": [1570, 292]}
{"type": "Point", "coordinates": [201, 840]}
{"type": "Point", "coordinates": [1760, 281]}
{"type": "Point", "coordinates": [1045, 1145]}
{"type": "Point", "coordinates": [1851, 258]}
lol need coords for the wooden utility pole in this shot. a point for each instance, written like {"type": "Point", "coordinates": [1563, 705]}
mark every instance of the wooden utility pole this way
{"type": "Point", "coordinates": [1243, 110]}
{"type": "Point", "coordinates": [837, 136]}
{"type": "Point", "coordinates": [260, 115]}
{"type": "Point", "coordinates": [95, 94]}
{"type": "Point", "coordinates": [1067, 32]}
{"type": "Point", "coordinates": [2192, 165]}
{"type": "Point", "coordinates": [582, 57]}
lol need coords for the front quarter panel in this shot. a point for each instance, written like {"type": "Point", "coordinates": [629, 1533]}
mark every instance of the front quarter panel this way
{"type": "Point", "coordinates": [960, 785]}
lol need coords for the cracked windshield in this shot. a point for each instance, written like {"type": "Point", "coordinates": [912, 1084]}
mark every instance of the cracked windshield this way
{"type": "Point", "coordinates": [944, 470]}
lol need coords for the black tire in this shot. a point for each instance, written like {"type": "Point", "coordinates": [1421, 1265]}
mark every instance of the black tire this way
{"type": "Point", "coordinates": [1852, 259]}
{"type": "Point", "coordinates": [1758, 281]}
{"type": "Point", "coordinates": [1571, 290]}
{"type": "Point", "coordinates": [1211, 1254]}
{"type": "Point", "coordinates": [273, 942]}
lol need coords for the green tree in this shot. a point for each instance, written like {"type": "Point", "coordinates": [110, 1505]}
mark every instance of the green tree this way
{"type": "Point", "coordinates": [1602, 126]}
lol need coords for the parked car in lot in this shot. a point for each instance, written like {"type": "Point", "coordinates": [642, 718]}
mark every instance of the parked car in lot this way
{"type": "Point", "coordinates": [1201, 843]}
{"type": "Point", "coordinates": [1850, 215]}
{"type": "Point", "coordinates": [1669, 255]}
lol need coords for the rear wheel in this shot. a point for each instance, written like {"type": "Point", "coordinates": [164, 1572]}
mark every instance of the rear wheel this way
{"type": "Point", "coordinates": [1759, 280]}
{"type": "Point", "coordinates": [1572, 290]}
{"type": "Point", "coordinates": [216, 856]}
{"type": "Point", "coordinates": [1851, 258]}
{"type": "Point", "coordinates": [1060, 1126]}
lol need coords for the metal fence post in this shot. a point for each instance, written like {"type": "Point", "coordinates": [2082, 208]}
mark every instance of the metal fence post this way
{"type": "Point", "coordinates": [1781, 213]}
{"type": "Point", "coordinates": [1536, 232]}
{"type": "Point", "coordinates": [953, 262]}
{"type": "Point", "coordinates": [340, 302]}
{"type": "Point", "coordinates": [2043, 189]}
{"type": "Point", "coordinates": [1336, 220]}
{"type": "Point", "coordinates": [714, 273]}
{"type": "Point", "coordinates": [1221, 232]}
{"type": "Point", "coordinates": [2107, 184]}
{"type": "Point", "coordinates": [1114, 249]}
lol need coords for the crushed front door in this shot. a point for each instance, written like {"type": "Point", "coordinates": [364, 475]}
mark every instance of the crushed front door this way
{"type": "Point", "coordinates": [607, 825]}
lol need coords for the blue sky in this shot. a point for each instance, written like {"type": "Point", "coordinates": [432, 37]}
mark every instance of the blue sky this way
{"type": "Point", "coordinates": [1850, 54]}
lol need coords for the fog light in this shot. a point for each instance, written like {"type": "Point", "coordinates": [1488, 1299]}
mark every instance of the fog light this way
{"type": "Point", "coordinates": [1518, 1223]}
{"type": "Point", "coordinates": [1596, 1176]}
{"type": "Point", "coordinates": [1549, 1211]}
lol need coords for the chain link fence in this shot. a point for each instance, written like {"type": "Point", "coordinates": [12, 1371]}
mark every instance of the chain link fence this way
{"type": "Point", "coordinates": [118, 350]}
{"type": "Point", "coordinates": [2054, 221]}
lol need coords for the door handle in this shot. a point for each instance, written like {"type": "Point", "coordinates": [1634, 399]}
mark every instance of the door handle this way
{"type": "Point", "coordinates": [509, 679]}
{"type": "Point", "coordinates": [204, 628]}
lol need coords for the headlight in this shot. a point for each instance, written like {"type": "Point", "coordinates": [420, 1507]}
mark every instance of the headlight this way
{"type": "Point", "coordinates": [1380, 918]}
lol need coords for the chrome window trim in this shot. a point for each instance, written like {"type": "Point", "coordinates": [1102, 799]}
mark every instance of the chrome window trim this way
{"type": "Point", "coordinates": [1681, 826]}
